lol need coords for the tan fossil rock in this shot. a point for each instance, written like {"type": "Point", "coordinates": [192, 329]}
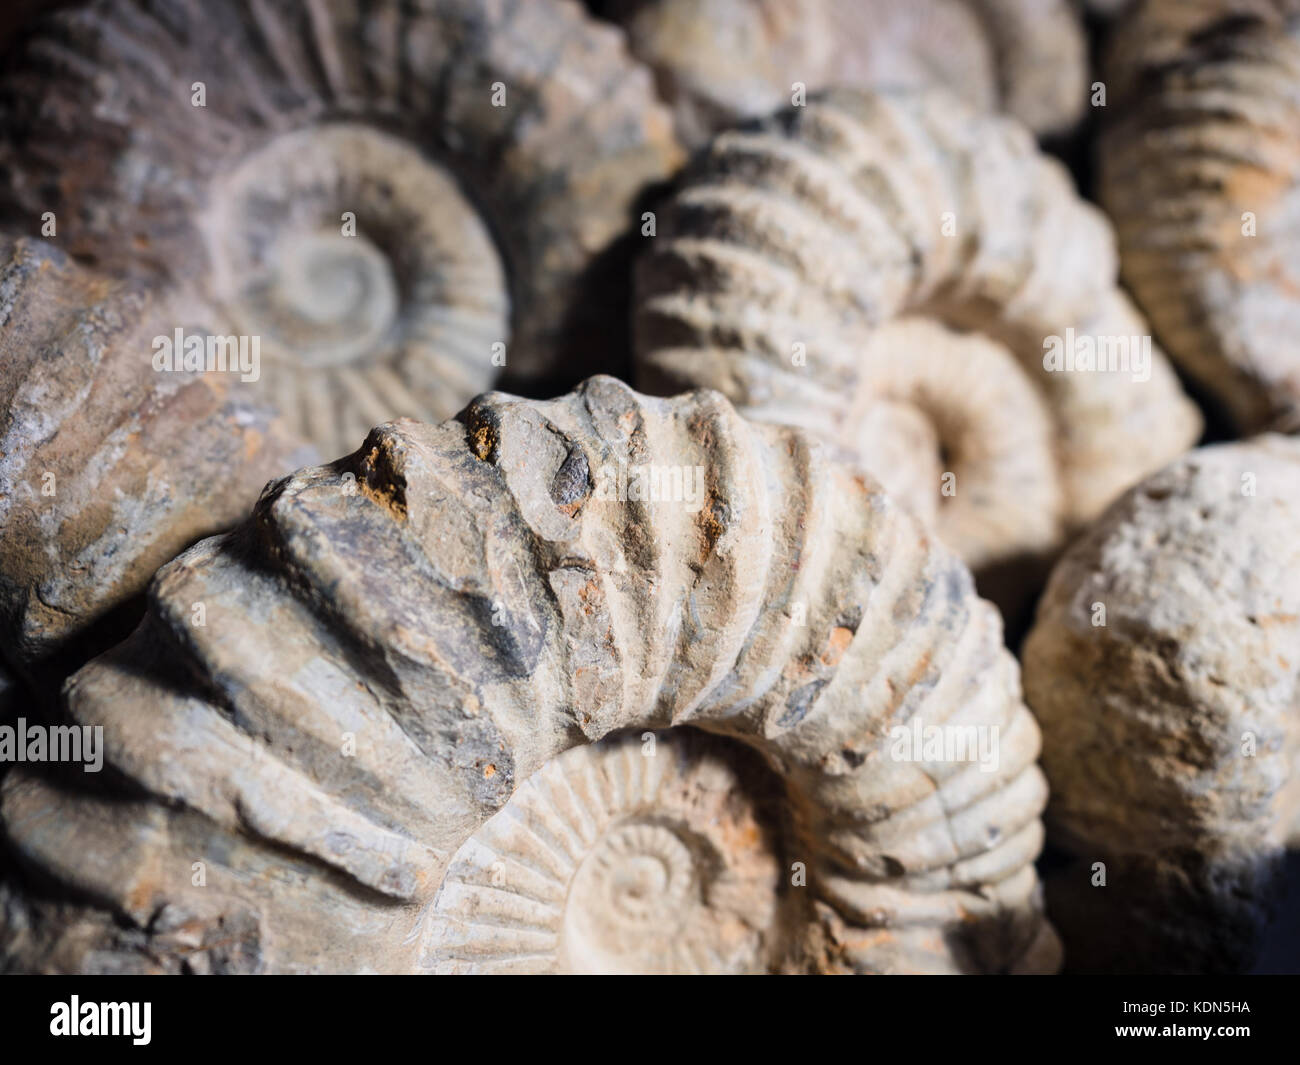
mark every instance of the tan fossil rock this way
{"type": "Point", "coordinates": [397, 198]}
{"type": "Point", "coordinates": [1040, 52]}
{"type": "Point", "coordinates": [1172, 731]}
{"type": "Point", "coordinates": [722, 61]}
{"type": "Point", "coordinates": [413, 667]}
{"type": "Point", "coordinates": [639, 853]}
{"type": "Point", "coordinates": [888, 271]}
{"type": "Point", "coordinates": [1200, 170]}
{"type": "Point", "coordinates": [107, 467]}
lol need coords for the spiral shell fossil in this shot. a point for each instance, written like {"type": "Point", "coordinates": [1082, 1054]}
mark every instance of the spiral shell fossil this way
{"type": "Point", "coordinates": [722, 61]}
{"type": "Point", "coordinates": [395, 742]}
{"type": "Point", "coordinates": [1163, 670]}
{"type": "Point", "coordinates": [107, 469]}
{"type": "Point", "coordinates": [1200, 169]}
{"type": "Point", "coordinates": [396, 198]}
{"type": "Point", "coordinates": [634, 854]}
{"type": "Point", "coordinates": [886, 271]}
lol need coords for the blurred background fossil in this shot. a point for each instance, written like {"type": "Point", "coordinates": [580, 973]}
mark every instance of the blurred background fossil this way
{"type": "Point", "coordinates": [882, 270]}
{"type": "Point", "coordinates": [1200, 169]}
{"type": "Point", "coordinates": [399, 199]}
{"type": "Point", "coordinates": [719, 62]}
{"type": "Point", "coordinates": [396, 644]}
{"type": "Point", "coordinates": [1163, 669]}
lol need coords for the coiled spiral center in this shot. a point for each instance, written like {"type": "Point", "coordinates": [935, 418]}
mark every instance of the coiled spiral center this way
{"type": "Point", "coordinates": [355, 257]}
{"type": "Point", "coordinates": [630, 898]}
{"type": "Point", "coordinates": [643, 871]}
{"type": "Point", "coordinates": [329, 301]}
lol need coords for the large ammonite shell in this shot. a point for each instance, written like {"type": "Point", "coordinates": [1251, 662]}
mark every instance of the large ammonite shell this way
{"type": "Point", "coordinates": [107, 468]}
{"type": "Point", "coordinates": [398, 198]}
{"type": "Point", "coordinates": [1200, 169]}
{"type": "Point", "coordinates": [400, 646]}
{"type": "Point", "coordinates": [891, 271]}
{"type": "Point", "coordinates": [720, 61]}
{"type": "Point", "coordinates": [1165, 670]}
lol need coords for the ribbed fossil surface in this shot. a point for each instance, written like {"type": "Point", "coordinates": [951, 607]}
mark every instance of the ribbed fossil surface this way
{"type": "Point", "coordinates": [720, 61]}
{"type": "Point", "coordinates": [1200, 169]}
{"type": "Point", "coordinates": [634, 854]}
{"type": "Point", "coordinates": [1163, 669]}
{"type": "Point", "coordinates": [107, 469]}
{"type": "Point", "coordinates": [888, 271]}
{"type": "Point", "coordinates": [397, 651]}
{"type": "Point", "coordinates": [398, 198]}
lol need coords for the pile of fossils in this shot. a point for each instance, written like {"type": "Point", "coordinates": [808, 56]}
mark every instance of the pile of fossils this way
{"type": "Point", "coordinates": [900, 564]}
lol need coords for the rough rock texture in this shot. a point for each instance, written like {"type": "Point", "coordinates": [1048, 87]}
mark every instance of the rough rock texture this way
{"type": "Point", "coordinates": [107, 468]}
{"type": "Point", "coordinates": [1172, 733]}
{"type": "Point", "coordinates": [482, 232]}
{"type": "Point", "coordinates": [1200, 170]}
{"type": "Point", "coordinates": [721, 61]}
{"type": "Point", "coordinates": [885, 271]}
{"type": "Point", "coordinates": [395, 643]}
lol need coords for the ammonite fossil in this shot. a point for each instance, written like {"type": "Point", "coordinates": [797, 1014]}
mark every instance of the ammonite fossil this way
{"type": "Point", "coordinates": [718, 62]}
{"type": "Point", "coordinates": [107, 468]}
{"type": "Point", "coordinates": [639, 853]}
{"type": "Point", "coordinates": [1200, 170]}
{"type": "Point", "coordinates": [410, 723]}
{"type": "Point", "coordinates": [400, 199]}
{"type": "Point", "coordinates": [1163, 669]}
{"type": "Point", "coordinates": [896, 273]}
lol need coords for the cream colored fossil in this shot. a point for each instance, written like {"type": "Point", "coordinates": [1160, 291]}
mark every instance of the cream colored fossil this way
{"type": "Point", "coordinates": [640, 853]}
{"type": "Point", "coordinates": [398, 199]}
{"type": "Point", "coordinates": [107, 468]}
{"type": "Point", "coordinates": [721, 61]}
{"type": "Point", "coordinates": [1200, 170]}
{"type": "Point", "coordinates": [890, 271]}
{"type": "Point", "coordinates": [402, 650]}
{"type": "Point", "coordinates": [1163, 669]}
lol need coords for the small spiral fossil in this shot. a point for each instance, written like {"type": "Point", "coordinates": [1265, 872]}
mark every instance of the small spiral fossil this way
{"type": "Point", "coordinates": [718, 62]}
{"type": "Point", "coordinates": [1200, 169]}
{"type": "Point", "coordinates": [887, 271]}
{"type": "Point", "coordinates": [401, 651]}
{"type": "Point", "coordinates": [107, 469]}
{"type": "Point", "coordinates": [1163, 669]}
{"type": "Point", "coordinates": [398, 199]}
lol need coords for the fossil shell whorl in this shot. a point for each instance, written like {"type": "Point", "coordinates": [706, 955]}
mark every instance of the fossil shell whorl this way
{"type": "Point", "coordinates": [1172, 728]}
{"type": "Point", "coordinates": [464, 603]}
{"type": "Point", "coordinates": [473, 225]}
{"type": "Point", "coordinates": [633, 854]}
{"type": "Point", "coordinates": [722, 61]}
{"type": "Point", "coordinates": [1200, 170]}
{"type": "Point", "coordinates": [107, 469]}
{"type": "Point", "coordinates": [820, 233]}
